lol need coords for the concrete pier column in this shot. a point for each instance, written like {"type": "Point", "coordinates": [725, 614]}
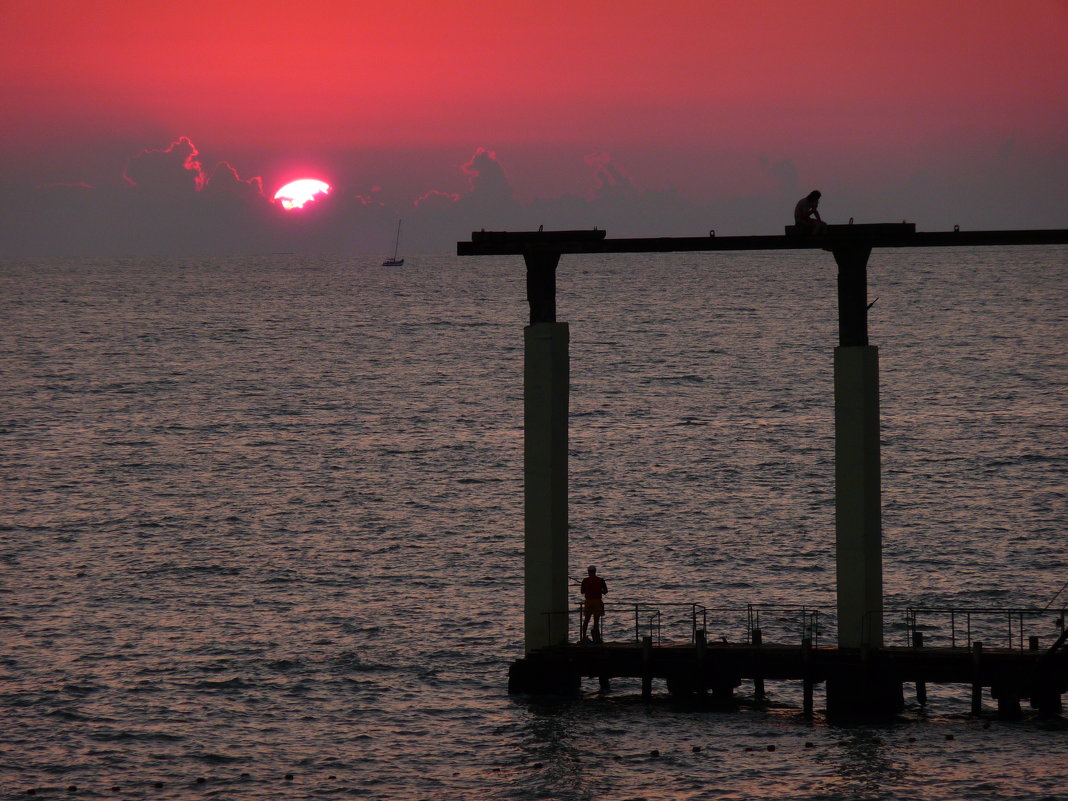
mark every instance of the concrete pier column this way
{"type": "Point", "coordinates": [545, 405]}
{"type": "Point", "coordinates": [858, 513]}
{"type": "Point", "coordinates": [872, 690]}
{"type": "Point", "coordinates": [858, 520]}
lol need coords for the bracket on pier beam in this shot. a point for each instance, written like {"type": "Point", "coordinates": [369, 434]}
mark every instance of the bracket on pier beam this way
{"type": "Point", "coordinates": [541, 283]}
{"type": "Point", "coordinates": [852, 263]}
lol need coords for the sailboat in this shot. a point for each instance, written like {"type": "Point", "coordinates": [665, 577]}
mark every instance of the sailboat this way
{"type": "Point", "coordinates": [395, 262]}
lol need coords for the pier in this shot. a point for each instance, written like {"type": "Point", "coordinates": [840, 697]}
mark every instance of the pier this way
{"type": "Point", "coordinates": [714, 671]}
{"type": "Point", "coordinates": [933, 646]}
{"type": "Point", "coordinates": [862, 673]}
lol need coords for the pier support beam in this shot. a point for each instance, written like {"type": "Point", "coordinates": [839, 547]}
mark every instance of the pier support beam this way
{"type": "Point", "coordinates": [858, 517]}
{"type": "Point", "coordinates": [858, 502]}
{"type": "Point", "coordinates": [858, 523]}
{"type": "Point", "coordinates": [545, 410]}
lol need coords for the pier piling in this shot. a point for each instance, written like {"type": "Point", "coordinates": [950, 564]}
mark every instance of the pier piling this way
{"type": "Point", "coordinates": [921, 685]}
{"type": "Point", "coordinates": [545, 406]}
{"type": "Point", "coordinates": [807, 683]}
{"type": "Point", "coordinates": [977, 681]}
{"type": "Point", "coordinates": [757, 637]}
{"type": "Point", "coordinates": [858, 506]}
{"type": "Point", "coordinates": [647, 667]}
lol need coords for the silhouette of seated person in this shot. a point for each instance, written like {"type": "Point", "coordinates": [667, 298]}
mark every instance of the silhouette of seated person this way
{"type": "Point", "coordinates": [807, 214]}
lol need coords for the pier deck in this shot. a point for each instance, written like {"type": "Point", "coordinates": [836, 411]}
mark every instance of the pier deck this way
{"type": "Point", "coordinates": [877, 235]}
{"type": "Point", "coordinates": [1011, 675]}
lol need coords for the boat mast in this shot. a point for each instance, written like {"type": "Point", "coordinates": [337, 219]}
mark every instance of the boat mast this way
{"type": "Point", "coordinates": [396, 245]}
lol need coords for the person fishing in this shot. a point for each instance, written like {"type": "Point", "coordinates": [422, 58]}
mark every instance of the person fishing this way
{"type": "Point", "coordinates": [593, 589]}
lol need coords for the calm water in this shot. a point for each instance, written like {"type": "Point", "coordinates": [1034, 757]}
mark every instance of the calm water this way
{"type": "Point", "coordinates": [262, 517]}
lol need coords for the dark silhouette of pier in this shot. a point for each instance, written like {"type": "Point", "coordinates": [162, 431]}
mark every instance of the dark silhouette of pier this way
{"type": "Point", "coordinates": [862, 674]}
{"type": "Point", "coordinates": [713, 671]}
{"type": "Point", "coordinates": [872, 235]}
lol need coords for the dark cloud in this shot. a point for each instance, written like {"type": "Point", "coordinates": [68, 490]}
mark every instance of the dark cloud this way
{"type": "Point", "coordinates": [489, 202]}
{"type": "Point", "coordinates": [490, 198]}
{"type": "Point", "coordinates": [174, 169]}
{"type": "Point", "coordinates": [178, 170]}
{"type": "Point", "coordinates": [436, 199]}
{"type": "Point", "coordinates": [167, 202]}
{"type": "Point", "coordinates": [487, 176]}
{"type": "Point", "coordinates": [373, 200]}
{"type": "Point", "coordinates": [611, 181]}
{"type": "Point", "coordinates": [225, 180]}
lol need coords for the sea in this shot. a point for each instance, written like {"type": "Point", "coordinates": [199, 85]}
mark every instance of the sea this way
{"type": "Point", "coordinates": [261, 530]}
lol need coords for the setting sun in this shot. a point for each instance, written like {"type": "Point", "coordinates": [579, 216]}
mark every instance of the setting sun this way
{"type": "Point", "coordinates": [296, 194]}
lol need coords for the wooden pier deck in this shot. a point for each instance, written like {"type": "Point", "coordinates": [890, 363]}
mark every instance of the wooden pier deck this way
{"type": "Point", "coordinates": [1011, 675]}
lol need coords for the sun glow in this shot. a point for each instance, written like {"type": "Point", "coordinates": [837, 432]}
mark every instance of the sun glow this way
{"type": "Point", "coordinates": [296, 194]}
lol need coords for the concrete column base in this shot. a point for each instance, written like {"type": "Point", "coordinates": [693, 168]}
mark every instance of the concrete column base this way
{"type": "Point", "coordinates": [864, 696]}
{"type": "Point", "coordinates": [531, 676]}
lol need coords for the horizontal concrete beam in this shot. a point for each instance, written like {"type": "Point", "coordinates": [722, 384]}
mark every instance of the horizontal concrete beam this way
{"type": "Point", "coordinates": [878, 235]}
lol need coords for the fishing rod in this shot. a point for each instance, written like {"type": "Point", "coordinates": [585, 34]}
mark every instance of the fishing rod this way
{"type": "Point", "coordinates": [1056, 595]}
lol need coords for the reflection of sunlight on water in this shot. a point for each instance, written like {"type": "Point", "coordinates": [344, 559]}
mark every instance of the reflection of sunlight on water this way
{"type": "Point", "coordinates": [590, 749]}
{"type": "Point", "coordinates": [864, 765]}
{"type": "Point", "coordinates": [553, 755]}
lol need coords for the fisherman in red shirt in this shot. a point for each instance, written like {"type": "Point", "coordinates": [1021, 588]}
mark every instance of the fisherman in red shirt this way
{"type": "Point", "coordinates": [593, 587]}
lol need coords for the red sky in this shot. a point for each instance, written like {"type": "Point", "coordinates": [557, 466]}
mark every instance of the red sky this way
{"type": "Point", "coordinates": [893, 109]}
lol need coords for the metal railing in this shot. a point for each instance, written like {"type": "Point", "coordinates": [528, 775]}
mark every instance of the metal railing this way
{"type": "Point", "coordinates": [959, 627]}
{"type": "Point", "coordinates": [956, 627]}
{"type": "Point", "coordinates": [663, 622]}
{"type": "Point", "coordinates": [799, 623]}
{"type": "Point", "coordinates": [678, 623]}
